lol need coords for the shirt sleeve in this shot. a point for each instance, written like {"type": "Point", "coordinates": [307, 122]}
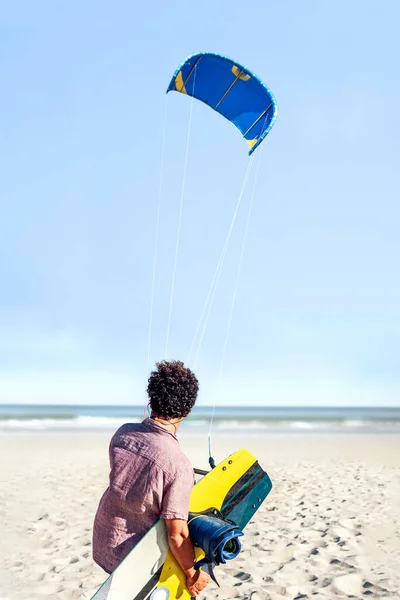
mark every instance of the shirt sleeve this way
{"type": "Point", "coordinates": [175, 504]}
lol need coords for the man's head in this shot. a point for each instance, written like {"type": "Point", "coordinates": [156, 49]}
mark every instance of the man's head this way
{"type": "Point", "coordinates": [172, 390]}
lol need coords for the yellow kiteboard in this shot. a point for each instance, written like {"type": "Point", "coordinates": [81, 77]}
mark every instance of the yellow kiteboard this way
{"type": "Point", "coordinates": [236, 487]}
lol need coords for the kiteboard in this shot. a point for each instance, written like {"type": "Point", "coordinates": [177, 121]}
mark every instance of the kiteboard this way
{"type": "Point", "coordinates": [235, 489]}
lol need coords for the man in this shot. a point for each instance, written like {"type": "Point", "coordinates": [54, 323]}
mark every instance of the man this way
{"type": "Point", "coordinates": [151, 478]}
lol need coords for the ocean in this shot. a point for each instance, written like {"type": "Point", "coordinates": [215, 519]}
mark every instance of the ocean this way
{"type": "Point", "coordinates": [24, 417]}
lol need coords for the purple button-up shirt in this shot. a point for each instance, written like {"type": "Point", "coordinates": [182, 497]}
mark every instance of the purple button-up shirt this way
{"type": "Point", "coordinates": [150, 478]}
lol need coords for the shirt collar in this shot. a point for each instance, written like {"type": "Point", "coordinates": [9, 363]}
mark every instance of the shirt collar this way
{"type": "Point", "coordinates": [161, 429]}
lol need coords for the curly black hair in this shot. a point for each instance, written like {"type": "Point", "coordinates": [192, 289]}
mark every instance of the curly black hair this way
{"type": "Point", "coordinates": [172, 389]}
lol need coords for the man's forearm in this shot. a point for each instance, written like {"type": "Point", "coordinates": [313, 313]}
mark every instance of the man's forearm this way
{"type": "Point", "coordinates": [183, 550]}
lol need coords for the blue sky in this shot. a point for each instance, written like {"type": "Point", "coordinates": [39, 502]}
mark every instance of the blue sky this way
{"type": "Point", "coordinates": [317, 313]}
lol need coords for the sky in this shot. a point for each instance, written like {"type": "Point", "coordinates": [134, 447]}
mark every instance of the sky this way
{"type": "Point", "coordinates": [316, 318]}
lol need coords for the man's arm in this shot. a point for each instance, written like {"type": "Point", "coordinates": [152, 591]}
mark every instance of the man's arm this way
{"type": "Point", "coordinates": [182, 548]}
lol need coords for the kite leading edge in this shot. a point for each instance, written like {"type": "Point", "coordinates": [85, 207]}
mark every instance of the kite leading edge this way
{"type": "Point", "coordinates": [231, 90]}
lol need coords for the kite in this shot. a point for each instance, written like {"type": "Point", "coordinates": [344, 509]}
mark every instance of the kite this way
{"type": "Point", "coordinates": [230, 89]}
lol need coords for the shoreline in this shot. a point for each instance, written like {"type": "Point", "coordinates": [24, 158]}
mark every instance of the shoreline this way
{"type": "Point", "coordinates": [242, 430]}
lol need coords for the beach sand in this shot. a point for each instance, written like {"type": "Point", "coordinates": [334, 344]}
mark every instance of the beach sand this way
{"type": "Point", "coordinates": [329, 529]}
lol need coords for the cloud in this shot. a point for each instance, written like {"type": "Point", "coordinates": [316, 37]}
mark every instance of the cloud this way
{"type": "Point", "coordinates": [123, 388]}
{"type": "Point", "coordinates": [59, 342]}
{"type": "Point", "coordinates": [95, 387]}
{"type": "Point", "coordinates": [301, 391]}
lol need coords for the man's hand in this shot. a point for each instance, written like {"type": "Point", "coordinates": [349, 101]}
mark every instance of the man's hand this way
{"type": "Point", "coordinates": [197, 581]}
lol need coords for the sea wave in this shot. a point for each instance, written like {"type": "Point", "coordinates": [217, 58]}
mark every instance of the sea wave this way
{"type": "Point", "coordinates": [81, 422]}
{"type": "Point", "coordinates": [100, 423]}
{"type": "Point", "coordinates": [355, 424]}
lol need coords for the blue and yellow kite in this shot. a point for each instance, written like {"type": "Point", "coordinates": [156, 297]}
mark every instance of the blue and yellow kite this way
{"type": "Point", "coordinates": [231, 90]}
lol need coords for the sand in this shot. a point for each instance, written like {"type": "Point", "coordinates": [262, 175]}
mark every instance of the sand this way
{"type": "Point", "coordinates": [329, 529]}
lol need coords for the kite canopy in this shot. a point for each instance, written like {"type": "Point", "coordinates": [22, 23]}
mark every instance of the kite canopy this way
{"type": "Point", "coordinates": [231, 90]}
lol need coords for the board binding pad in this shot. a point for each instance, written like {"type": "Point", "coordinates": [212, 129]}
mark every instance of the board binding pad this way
{"type": "Point", "coordinates": [236, 488]}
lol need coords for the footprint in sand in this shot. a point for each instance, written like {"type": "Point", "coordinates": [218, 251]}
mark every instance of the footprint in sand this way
{"type": "Point", "coordinates": [243, 576]}
{"type": "Point", "coordinates": [275, 589]}
{"type": "Point", "coordinates": [350, 585]}
{"type": "Point", "coordinates": [49, 589]}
